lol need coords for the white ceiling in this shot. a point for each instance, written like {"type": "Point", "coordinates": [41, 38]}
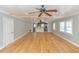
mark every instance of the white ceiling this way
{"type": "Point", "coordinates": [23, 10]}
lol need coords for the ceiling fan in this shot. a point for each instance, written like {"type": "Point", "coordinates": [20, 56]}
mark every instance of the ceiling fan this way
{"type": "Point", "coordinates": [43, 10]}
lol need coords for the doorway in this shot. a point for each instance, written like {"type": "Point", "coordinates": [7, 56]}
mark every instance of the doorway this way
{"type": "Point", "coordinates": [40, 27]}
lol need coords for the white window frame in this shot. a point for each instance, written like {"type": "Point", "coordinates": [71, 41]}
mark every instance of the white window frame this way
{"type": "Point", "coordinates": [54, 26]}
{"type": "Point", "coordinates": [62, 26]}
{"type": "Point", "coordinates": [34, 25]}
{"type": "Point", "coordinates": [69, 26]}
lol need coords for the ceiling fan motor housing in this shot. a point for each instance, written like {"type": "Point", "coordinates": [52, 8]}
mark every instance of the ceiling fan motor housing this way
{"type": "Point", "coordinates": [42, 10]}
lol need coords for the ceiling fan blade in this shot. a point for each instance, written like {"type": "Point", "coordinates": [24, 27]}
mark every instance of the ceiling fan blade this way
{"type": "Point", "coordinates": [51, 10]}
{"type": "Point", "coordinates": [48, 14]}
{"type": "Point", "coordinates": [33, 12]}
{"type": "Point", "coordinates": [40, 14]}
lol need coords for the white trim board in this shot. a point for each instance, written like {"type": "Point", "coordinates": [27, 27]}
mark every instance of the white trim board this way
{"type": "Point", "coordinates": [14, 40]}
{"type": "Point", "coordinates": [67, 40]}
{"type": "Point", "coordinates": [21, 36]}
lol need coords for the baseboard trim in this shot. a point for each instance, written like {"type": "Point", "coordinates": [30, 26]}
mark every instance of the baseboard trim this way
{"type": "Point", "coordinates": [66, 40]}
{"type": "Point", "coordinates": [21, 36]}
{"type": "Point", "coordinates": [2, 47]}
{"type": "Point", "coordinates": [14, 40]}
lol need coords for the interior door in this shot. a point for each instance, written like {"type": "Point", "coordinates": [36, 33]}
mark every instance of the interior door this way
{"type": "Point", "coordinates": [8, 30]}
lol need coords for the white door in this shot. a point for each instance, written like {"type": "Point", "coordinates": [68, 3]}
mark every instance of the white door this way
{"type": "Point", "coordinates": [8, 30]}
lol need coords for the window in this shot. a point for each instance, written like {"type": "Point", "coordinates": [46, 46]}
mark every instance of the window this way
{"type": "Point", "coordinates": [69, 26]}
{"type": "Point", "coordinates": [62, 26]}
{"type": "Point", "coordinates": [34, 25]}
{"type": "Point", "coordinates": [53, 26]}
{"type": "Point", "coordinates": [42, 25]}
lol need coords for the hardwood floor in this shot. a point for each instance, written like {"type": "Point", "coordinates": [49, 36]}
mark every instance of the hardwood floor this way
{"type": "Point", "coordinates": [40, 42]}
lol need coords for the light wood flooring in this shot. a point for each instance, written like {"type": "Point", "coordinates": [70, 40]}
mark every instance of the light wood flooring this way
{"type": "Point", "coordinates": [42, 42]}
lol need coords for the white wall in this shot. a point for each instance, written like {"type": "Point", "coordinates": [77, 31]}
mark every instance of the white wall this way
{"type": "Point", "coordinates": [49, 26]}
{"type": "Point", "coordinates": [1, 32]}
{"type": "Point", "coordinates": [20, 27]}
{"type": "Point", "coordinates": [75, 30]}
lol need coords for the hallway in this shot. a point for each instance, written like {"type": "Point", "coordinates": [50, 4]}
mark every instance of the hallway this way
{"type": "Point", "coordinates": [40, 42]}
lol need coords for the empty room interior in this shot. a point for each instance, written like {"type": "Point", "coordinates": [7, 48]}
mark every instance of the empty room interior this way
{"type": "Point", "coordinates": [39, 28]}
